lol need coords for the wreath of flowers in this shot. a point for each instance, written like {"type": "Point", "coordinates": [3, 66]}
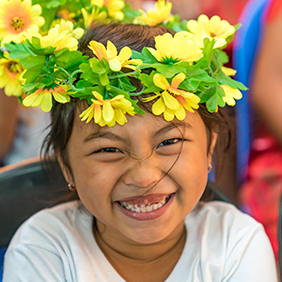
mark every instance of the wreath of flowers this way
{"type": "Point", "coordinates": [39, 58]}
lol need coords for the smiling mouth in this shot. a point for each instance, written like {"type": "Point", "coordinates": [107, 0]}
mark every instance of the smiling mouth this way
{"type": "Point", "coordinates": [145, 208]}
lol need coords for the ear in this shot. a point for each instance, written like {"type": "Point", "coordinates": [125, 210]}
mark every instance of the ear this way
{"type": "Point", "coordinates": [212, 146]}
{"type": "Point", "coordinates": [65, 170]}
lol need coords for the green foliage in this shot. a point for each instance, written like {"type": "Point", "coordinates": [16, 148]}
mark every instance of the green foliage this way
{"type": "Point", "coordinates": [213, 98]}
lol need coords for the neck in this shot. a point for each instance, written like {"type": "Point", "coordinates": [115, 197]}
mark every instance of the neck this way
{"type": "Point", "coordinates": [142, 258]}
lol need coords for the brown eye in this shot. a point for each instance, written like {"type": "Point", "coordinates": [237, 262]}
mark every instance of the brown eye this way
{"type": "Point", "coordinates": [109, 150]}
{"type": "Point", "coordinates": [169, 142]}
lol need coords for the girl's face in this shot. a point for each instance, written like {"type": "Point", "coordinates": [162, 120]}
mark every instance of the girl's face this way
{"type": "Point", "coordinates": [134, 179]}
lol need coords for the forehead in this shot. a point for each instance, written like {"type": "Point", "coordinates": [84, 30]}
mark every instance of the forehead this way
{"type": "Point", "coordinates": [140, 125]}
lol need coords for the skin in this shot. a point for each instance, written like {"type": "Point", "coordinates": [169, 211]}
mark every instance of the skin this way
{"type": "Point", "coordinates": [142, 152]}
{"type": "Point", "coordinates": [8, 122]}
{"type": "Point", "coordinates": [267, 83]}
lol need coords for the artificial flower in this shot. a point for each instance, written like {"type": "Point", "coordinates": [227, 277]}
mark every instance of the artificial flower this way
{"type": "Point", "coordinates": [68, 26]}
{"type": "Point", "coordinates": [214, 27]}
{"type": "Point", "coordinates": [17, 16]}
{"type": "Point", "coordinates": [66, 15]}
{"type": "Point", "coordinates": [171, 50]}
{"type": "Point", "coordinates": [231, 94]}
{"type": "Point", "coordinates": [59, 37]}
{"type": "Point", "coordinates": [116, 61]}
{"type": "Point", "coordinates": [96, 15]}
{"type": "Point", "coordinates": [228, 71]}
{"type": "Point", "coordinates": [114, 7]}
{"type": "Point", "coordinates": [11, 76]}
{"type": "Point", "coordinates": [108, 111]}
{"type": "Point", "coordinates": [198, 38]}
{"type": "Point", "coordinates": [172, 101]}
{"type": "Point", "coordinates": [43, 97]}
{"type": "Point", "coordinates": [156, 16]}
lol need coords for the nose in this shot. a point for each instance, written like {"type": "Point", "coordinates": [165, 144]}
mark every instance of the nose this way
{"type": "Point", "coordinates": [143, 173]}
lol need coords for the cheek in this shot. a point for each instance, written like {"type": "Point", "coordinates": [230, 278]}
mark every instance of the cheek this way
{"type": "Point", "coordinates": [192, 174]}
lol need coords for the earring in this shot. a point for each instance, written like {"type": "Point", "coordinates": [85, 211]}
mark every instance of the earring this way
{"type": "Point", "coordinates": [209, 167]}
{"type": "Point", "coordinates": [72, 188]}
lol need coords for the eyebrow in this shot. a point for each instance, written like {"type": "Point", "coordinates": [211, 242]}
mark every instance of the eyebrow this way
{"type": "Point", "coordinates": [173, 125]}
{"type": "Point", "coordinates": [107, 135]}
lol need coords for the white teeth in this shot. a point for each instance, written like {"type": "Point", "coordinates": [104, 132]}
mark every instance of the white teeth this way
{"type": "Point", "coordinates": [144, 208]}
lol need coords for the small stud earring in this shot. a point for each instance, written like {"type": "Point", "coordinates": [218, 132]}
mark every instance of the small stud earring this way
{"type": "Point", "coordinates": [209, 167]}
{"type": "Point", "coordinates": [72, 188]}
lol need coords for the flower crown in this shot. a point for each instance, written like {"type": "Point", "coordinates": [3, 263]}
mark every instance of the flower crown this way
{"type": "Point", "coordinates": [39, 58]}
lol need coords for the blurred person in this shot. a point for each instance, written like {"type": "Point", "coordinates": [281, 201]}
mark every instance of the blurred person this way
{"type": "Point", "coordinates": [8, 123]}
{"type": "Point", "coordinates": [260, 193]}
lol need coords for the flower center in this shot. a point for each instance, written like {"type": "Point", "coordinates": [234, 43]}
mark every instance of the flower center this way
{"type": "Point", "coordinates": [17, 23]}
{"type": "Point", "coordinates": [14, 67]}
{"type": "Point", "coordinates": [170, 61]}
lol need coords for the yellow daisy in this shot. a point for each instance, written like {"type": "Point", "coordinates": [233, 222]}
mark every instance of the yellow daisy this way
{"type": "Point", "coordinates": [116, 61]}
{"type": "Point", "coordinates": [61, 36]}
{"type": "Point", "coordinates": [231, 94]}
{"type": "Point", "coordinates": [228, 71]}
{"type": "Point", "coordinates": [114, 7]}
{"type": "Point", "coordinates": [17, 16]}
{"type": "Point", "coordinates": [214, 27]}
{"type": "Point", "coordinates": [43, 97]}
{"type": "Point", "coordinates": [11, 76]}
{"type": "Point", "coordinates": [198, 38]}
{"type": "Point", "coordinates": [171, 50]}
{"type": "Point", "coordinates": [156, 16]}
{"type": "Point", "coordinates": [96, 15]}
{"type": "Point", "coordinates": [172, 101]}
{"type": "Point", "coordinates": [108, 111]}
{"type": "Point", "coordinates": [68, 26]}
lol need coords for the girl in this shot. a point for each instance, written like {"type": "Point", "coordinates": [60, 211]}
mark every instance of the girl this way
{"type": "Point", "coordinates": [139, 179]}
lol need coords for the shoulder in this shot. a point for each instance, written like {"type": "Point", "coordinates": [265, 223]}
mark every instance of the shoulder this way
{"type": "Point", "coordinates": [53, 224]}
{"type": "Point", "coordinates": [232, 242]}
{"type": "Point", "coordinates": [222, 214]}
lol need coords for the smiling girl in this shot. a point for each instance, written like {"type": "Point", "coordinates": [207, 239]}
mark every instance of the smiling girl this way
{"type": "Point", "coordinates": [139, 173]}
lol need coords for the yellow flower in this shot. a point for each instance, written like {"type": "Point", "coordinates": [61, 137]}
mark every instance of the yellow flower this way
{"type": "Point", "coordinates": [214, 27]}
{"type": "Point", "coordinates": [172, 101]}
{"type": "Point", "coordinates": [68, 26]}
{"type": "Point", "coordinates": [171, 50]}
{"type": "Point", "coordinates": [228, 71]}
{"type": "Point", "coordinates": [61, 36]}
{"type": "Point", "coordinates": [116, 61]}
{"type": "Point", "coordinates": [156, 16]}
{"type": "Point", "coordinates": [95, 15]}
{"type": "Point", "coordinates": [198, 38]}
{"type": "Point", "coordinates": [231, 94]}
{"type": "Point", "coordinates": [16, 16]}
{"type": "Point", "coordinates": [108, 111]}
{"type": "Point", "coordinates": [114, 7]}
{"type": "Point", "coordinates": [43, 97]}
{"type": "Point", "coordinates": [11, 76]}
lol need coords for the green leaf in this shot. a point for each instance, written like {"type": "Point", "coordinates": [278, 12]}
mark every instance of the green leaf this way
{"type": "Point", "coordinates": [136, 108]}
{"type": "Point", "coordinates": [123, 83]}
{"type": "Point", "coordinates": [221, 56]}
{"type": "Point", "coordinates": [213, 98]}
{"type": "Point", "coordinates": [168, 71]}
{"type": "Point", "coordinates": [129, 13]}
{"type": "Point", "coordinates": [237, 26]}
{"type": "Point", "coordinates": [146, 56]}
{"type": "Point", "coordinates": [223, 79]}
{"type": "Point", "coordinates": [147, 80]}
{"type": "Point", "coordinates": [18, 51]}
{"type": "Point", "coordinates": [35, 47]}
{"type": "Point", "coordinates": [65, 58]}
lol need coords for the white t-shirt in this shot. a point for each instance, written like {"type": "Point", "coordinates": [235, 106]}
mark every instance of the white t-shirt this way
{"type": "Point", "coordinates": [222, 244]}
